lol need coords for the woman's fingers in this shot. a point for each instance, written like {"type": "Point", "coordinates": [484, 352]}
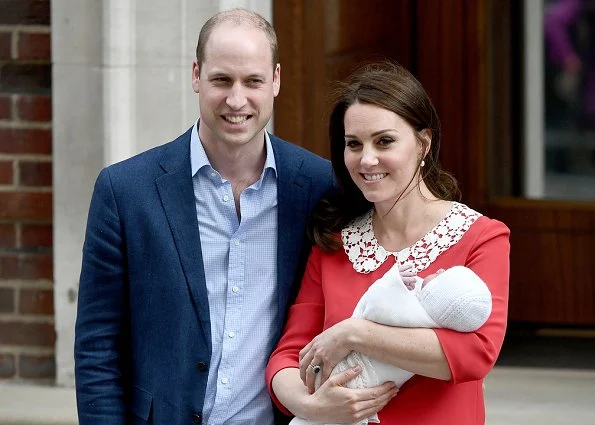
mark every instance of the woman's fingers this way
{"type": "Point", "coordinates": [334, 402]}
{"type": "Point", "coordinates": [364, 402]}
{"type": "Point", "coordinates": [382, 392]}
{"type": "Point", "coordinates": [346, 376]}
{"type": "Point", "coordinates": [312, 378]}
{"type": "Point", "coordinates": [325, 351]}
{"type": "Point", "coordinates": [374, 400]}
{"type": "Point", "coordinates": [306, 357]}
{"type": "Point", "coordinates": [311, 372]}
{"type": "Point", "coordinates": [305, 350]}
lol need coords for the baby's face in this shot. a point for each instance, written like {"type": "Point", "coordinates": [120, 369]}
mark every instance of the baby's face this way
{"type": "Point", "coordinates": [430, 277]}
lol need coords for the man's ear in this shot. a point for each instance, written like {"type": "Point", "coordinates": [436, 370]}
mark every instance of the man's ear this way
{"type": "Point", "coordinates": [277, 80]}
{"type": "Point", "coordinates": [195, 76]}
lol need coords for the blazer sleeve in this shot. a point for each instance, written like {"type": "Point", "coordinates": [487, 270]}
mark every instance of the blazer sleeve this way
{"type": "Point", "coordinates": [472, 355]}
{"type": "Point", "coordinates": [305, 321]}
{"type": "Point", "coordinates": [99, 324]}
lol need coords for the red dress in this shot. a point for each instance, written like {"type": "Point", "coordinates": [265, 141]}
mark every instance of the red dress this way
{"type": "Point", "coordinates": [334, 283]}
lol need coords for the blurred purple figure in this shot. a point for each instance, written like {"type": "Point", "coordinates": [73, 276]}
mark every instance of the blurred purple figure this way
{"type": "Point", "coordinates": [574, 52]}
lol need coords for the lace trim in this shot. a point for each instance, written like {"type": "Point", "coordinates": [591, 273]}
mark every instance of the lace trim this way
{"type": "Point", "coordinates": [367, 254]}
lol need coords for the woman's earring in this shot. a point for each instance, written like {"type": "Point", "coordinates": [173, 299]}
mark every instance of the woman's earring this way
{"type": "Point", "coordinates": [422, 163]}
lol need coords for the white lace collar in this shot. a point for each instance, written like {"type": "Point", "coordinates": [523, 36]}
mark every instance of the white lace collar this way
{"type": "Point", "coordinates": [367, 254]}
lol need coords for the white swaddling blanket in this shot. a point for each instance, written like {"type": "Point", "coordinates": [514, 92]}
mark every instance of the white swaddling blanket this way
{"type": "Point", "coordinates": [455, 299]}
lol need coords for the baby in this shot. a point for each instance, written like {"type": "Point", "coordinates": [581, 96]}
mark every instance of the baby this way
{"type": "Point", "coordinates": [455, 298]}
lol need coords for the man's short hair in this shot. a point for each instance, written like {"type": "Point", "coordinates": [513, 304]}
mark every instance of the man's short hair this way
{"type": "Point", "coordinates": [237, 16]}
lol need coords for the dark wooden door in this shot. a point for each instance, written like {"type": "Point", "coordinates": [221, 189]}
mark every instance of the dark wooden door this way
{"type": "Point", "coordinates": [320, 42]}
{"type": "Point", "coordinates": [445, 44]}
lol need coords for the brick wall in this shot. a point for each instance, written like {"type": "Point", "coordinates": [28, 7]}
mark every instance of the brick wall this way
{"type": "Point", "coordinates": [27, 332]}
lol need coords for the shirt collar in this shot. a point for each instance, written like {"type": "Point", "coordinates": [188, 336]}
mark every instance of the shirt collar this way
{"type": "Point", "coordinates": [366, 254]}
{"type": "Point", "coordinates": [199, 159]}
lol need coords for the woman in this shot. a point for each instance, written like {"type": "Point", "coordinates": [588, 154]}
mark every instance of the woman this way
{"type": "Point", "coordinates": [396, 205]}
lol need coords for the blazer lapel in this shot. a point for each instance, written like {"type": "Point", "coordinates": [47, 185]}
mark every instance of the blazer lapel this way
{"type": "Point", "coordinates": [177, 197]}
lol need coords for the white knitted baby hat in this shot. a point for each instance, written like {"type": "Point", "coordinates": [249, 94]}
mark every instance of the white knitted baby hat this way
{"type": "Point", "coordinates": [457, 299]}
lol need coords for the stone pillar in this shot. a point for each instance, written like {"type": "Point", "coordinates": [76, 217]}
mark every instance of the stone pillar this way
{"type": "Point", "coordinates": [77, 28]}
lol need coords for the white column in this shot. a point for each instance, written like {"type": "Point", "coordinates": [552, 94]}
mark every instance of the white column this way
{"type": "Point", "coordinates": [118, 79]}
{"type": "Point", "coordinates": [165, 48]}
{"type": "Point", "coordinates": [78, 148]}
{"type": "Point", "coordinates": [534, 132]}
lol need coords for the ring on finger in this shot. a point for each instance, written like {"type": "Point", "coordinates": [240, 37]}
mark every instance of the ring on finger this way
{"type": "Point", "coordinates": [315, 368]}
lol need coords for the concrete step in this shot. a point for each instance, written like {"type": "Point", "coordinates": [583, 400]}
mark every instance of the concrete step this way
{"type": "Point", "coordinates": [22, 404]}
{"type": "Point", "coordinates": [522, 396]}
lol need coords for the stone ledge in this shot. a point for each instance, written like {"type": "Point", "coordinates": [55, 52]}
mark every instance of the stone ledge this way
{"type": "Point", "coordinates": [22, 404]}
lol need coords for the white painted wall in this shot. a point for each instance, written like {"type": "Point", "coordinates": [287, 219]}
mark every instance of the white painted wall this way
{"type": "Point", "coordinates": [121, 84]}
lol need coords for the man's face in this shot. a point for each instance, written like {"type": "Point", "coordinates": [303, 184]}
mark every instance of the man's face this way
{"type": "Point", "coordinates": [236, 85]}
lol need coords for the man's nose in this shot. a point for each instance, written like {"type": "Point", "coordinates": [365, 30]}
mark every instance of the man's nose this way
{"type": "Point", "coordinates": [236, 98]}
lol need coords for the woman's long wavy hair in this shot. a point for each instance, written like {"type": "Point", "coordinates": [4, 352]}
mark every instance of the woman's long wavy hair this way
{"type": "Point", "coordinates": [390, 86]}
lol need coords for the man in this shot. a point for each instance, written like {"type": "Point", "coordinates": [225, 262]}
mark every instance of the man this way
{"type": "Point", "coordinates": [193, 250]}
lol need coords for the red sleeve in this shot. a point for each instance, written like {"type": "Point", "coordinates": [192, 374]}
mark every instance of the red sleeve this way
{"type": "Point", "coordinates": [305, 321]}
{"type": "Point", "coordinates": [472, 355]}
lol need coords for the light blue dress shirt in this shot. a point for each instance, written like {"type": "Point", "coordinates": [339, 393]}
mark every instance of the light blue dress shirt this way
{"type": "Point", "coordinates": [240, 262]}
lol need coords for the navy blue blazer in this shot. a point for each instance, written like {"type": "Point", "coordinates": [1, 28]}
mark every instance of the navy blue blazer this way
{"type": "Point", "coordinates": [142, 344]}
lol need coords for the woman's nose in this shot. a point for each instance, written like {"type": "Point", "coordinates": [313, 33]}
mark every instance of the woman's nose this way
{"type": "Point", "coordinates": [369, 157]}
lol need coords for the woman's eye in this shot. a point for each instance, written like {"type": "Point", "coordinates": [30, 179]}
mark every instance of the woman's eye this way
{"type": "Point", "coordinates": [351, 143]}
{"type": "Point", "coordinates": [385, 141]}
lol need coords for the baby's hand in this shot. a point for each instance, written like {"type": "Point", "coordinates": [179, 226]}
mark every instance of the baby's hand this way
{"type": "Point", "coordinates": [407, 272]}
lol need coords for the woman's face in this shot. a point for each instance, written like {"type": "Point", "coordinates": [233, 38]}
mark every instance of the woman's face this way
{"type": "Point", "coordinates": [381, 153]}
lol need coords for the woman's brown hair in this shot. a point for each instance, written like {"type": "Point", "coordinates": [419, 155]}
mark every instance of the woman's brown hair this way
{"type": "Point", "coordinates": [390, 86]}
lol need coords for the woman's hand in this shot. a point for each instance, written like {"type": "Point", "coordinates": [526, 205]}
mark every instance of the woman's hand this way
{"type": "Point", "coordinates": [326, 350]}
{"type": "Point", "coordinates": [333, 403]}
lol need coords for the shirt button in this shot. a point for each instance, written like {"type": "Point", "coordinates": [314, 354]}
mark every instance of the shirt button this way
{"type": "Point", "coordinates": [213, 174]}
{"type": "Point", "coordinates": [231, 334]}
{"type": "Point", "coordinates": [224, 380]}
{"type": "Point", "coordinates": [202, 366]}
{"type": "Point", "coordinates": [225, 198]}
{"type": "Point", "coordinates": [196, 418]}
{"type": "Point", "coordinates": [235, 289]}
{"type": "Point", "coordinates": [237, 242]}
